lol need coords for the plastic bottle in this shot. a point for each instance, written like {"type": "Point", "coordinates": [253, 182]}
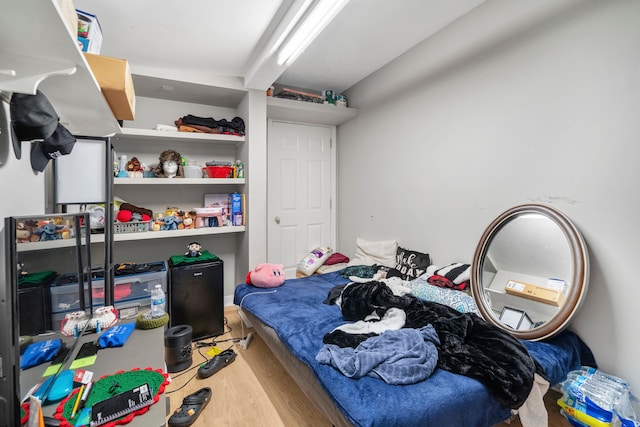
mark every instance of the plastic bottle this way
{"type": "Point", "coordinates": [239, 169]}
{"type": "Point", "coordinates": [157, 302]}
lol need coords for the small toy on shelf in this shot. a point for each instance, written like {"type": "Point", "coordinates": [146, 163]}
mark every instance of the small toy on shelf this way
{"type": "Point", "coordinates": [129, 212]}
{"type": "Point", "coordinates": [188, 220]}
{"type": "Point", "coordinates": [25, 231]}
{"type": "Point", "coordinates": [170, 222]}
{"type": "Point", "coordinates": [193, 249]}
{"type": "Point", "coordinates": [134, 168]}
{"type": "Point", "coordinates": [49, 231]}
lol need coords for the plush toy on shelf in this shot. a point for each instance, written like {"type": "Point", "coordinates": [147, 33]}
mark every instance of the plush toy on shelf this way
{"type": "Point", "coordinates": [170, 222]}
{"type": "Point", "coordinates": [134, 168]}
{"type": "Point", "coordinates": [129, 212]}
{"type": "Point", "coordinates": [25, 231]}
{"type": "Point", "coordinates": [266, 276]}
{"type": "Point", "coordinates": [49, 231]}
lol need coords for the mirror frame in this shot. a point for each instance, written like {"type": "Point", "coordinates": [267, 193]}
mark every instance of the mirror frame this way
{"type": "Point", "coordinates": [577, 287]}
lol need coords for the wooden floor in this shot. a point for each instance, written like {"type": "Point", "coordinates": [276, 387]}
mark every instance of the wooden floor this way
{"type": "Point", "coordinates": [255, 390]}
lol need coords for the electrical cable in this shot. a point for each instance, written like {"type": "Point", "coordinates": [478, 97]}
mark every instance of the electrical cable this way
{"type": "Point", "coordinates": [199, 346]}
{"type": "Point", "coordinates": [244, 337]}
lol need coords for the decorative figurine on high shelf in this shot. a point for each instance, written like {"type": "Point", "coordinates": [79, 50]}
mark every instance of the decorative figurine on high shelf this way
{"type": "Point", "coordinates": [193, 250]}
{"type": "Point", "coordinates": [169, 165]}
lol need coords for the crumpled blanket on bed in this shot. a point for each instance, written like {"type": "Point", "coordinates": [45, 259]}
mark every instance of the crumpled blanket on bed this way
{"type": "Point", "coordinates": [296, 312]}
{"type": "Point", "coordinates": [468, 345]}
{"type": "Point", "coordinates": [403, 356]}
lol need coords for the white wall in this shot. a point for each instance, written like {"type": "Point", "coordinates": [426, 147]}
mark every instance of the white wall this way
{"type": "Point", "coordinates": [22, 190]}
{"type": "Point", "coordinates": [517, 102]}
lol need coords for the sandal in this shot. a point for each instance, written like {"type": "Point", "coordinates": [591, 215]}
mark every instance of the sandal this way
{"type": "Point", "coordinates": [192, 406]}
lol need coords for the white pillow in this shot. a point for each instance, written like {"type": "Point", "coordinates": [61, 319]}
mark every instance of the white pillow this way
{"type": "Point", "coordinates": [314, 259]}
{"type": "Point", "coordinates": [381, 252]}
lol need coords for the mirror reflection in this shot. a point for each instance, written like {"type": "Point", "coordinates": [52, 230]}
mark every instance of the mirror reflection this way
{"type": "Point", "coordinates": [529, 273]}
{"type": "Point", "coordinates": [40, 247]}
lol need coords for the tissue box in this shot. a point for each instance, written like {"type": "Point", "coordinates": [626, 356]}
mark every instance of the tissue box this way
{"type": "Point", "coordinates": [89, 32]}
{"type": "Point", "coordinates": [114, 77]}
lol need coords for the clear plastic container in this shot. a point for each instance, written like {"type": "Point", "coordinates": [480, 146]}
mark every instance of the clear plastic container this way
{"type": "Point", "coordinates": [158, 302]}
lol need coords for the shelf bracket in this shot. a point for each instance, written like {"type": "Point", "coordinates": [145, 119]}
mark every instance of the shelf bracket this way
{"type": "Point", "coordinates": [23, 74]}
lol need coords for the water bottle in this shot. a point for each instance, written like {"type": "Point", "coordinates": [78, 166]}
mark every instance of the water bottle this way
{"type": "Point", "coordinates": [157, 302]}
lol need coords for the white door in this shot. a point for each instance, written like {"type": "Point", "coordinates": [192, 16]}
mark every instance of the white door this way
{"type": "Point", "coordinates": [300, 189]}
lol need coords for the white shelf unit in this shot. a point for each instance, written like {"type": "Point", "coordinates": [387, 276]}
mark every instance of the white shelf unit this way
{"type": "Point", "coordinates": [47, 57]}
{"type": "Point", "coordinates": [188, 192]}
{"type": "Point", "coordinates": [308, 112]}
{"type": "Point", "coordinates": [139, 139]}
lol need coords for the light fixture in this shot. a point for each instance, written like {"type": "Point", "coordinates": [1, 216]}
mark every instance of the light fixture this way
{"type": "Point", "coordinates": [316, 20]}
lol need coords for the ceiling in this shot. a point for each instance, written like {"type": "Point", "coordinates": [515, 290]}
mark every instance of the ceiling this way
{"type": "Point", "coordinates": [232, 37]}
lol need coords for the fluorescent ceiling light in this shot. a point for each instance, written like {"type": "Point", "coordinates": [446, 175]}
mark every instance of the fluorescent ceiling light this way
{"type": "Point", "coordinates": [322, 13]}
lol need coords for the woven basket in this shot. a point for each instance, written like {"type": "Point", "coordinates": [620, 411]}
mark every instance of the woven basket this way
{"type": "Point", "coordinates": [132, 226]}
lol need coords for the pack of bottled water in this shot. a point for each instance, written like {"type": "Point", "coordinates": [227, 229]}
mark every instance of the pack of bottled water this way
{"type": "Point", "coordinates": [593, 398]}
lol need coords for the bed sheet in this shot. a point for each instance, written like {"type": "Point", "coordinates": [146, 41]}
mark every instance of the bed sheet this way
{"type": "Point", "coordinates": [296, 312]}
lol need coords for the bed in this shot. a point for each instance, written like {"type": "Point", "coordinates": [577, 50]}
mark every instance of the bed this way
{"type": "Point", "coordinates": [293, 319]}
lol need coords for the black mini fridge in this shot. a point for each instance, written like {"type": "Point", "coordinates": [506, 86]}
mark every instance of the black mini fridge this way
{"type": "Point", "coordinates": [196, 297]}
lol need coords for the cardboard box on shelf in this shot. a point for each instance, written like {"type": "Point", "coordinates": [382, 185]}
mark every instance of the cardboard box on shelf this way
{"type": "Point", "coordinates": [114, 77]}
{"type": "Point", "coordinates": [535, 292]}
{"type": "Point", "coordinates": [89, 32]}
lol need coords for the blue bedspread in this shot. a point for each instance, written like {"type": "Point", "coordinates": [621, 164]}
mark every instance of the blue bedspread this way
{"type": "Point", "coordinates": [296, 312]}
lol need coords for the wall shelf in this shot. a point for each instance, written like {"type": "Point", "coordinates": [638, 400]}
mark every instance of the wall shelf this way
{"type": "Point", "coordinates": [150, 135]}
{"type": "Point", "coordinates": [177, 181]}
{"type": "Point", "coordinates": [47, 57]}
{"type": "Point", "coordinates": [308, 112]}
{"type": "Point", "coordinates": [122, 237]}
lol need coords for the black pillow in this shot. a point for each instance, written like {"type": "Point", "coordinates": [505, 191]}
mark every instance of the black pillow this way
{"type": "Point", "coordinates": [411, 264]}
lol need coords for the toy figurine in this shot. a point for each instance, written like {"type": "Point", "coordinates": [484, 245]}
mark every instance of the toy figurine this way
{"type": "Point", "coordinates": [169, 165]}
{"type": "Point", "coordinates": [193, 249]}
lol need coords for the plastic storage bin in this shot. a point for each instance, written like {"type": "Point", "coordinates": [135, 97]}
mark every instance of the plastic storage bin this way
{"type": "Point", "coordinates": [129, 290]}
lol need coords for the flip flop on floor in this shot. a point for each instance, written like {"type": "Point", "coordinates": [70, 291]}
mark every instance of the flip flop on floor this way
{"type": "Point", "coordinates": [192, 406]}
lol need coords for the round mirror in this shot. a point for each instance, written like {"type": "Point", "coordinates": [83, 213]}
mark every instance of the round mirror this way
{"type": "Point", "coordinates": [530, 272]}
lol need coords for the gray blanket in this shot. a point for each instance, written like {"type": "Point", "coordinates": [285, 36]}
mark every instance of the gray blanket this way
{"type": "Point", "coordinates": [404, 356]}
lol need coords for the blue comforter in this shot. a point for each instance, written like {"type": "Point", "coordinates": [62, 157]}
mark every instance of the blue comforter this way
{"type": "Point", "coordinates": [296, 312]}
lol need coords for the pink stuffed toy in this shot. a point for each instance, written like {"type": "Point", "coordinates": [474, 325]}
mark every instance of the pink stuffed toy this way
{"type": "Point", "coordinates": [266, 276]}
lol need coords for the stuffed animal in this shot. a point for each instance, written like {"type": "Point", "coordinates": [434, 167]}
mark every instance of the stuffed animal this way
{"type": "Point", "coordinates": [266, 276]}
{"type": "Point", "coordinates": [129, 212]}
{"type": "Point", "coordinates": [193, 249]}
{"type": "Point", "coordinates": [134, 168]}
{"type": "Point", "coordinates": [189, 220]}
{"type": "Point", "coordinates": [49, 231]}
{"type": "Point", "coordinates": [170, 222]}
{"type": "Point", "coordinates": [25, 231]}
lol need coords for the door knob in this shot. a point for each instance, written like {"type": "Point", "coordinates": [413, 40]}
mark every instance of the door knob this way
{"type": "Point", "coordinates": [277, 220]}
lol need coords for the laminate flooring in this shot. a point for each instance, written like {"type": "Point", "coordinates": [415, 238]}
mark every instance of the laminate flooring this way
{"type": "Point", "coordinates": [255, 390]}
